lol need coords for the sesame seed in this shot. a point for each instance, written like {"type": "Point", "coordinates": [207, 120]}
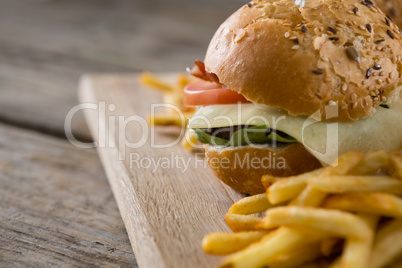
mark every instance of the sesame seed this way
{"type": "Point", "coordinates": [353, 97]}
{"type": "Point", "coordinates": [362, 27]}
{"type": "Point", "coordinates": [340, 25]}
{"type": "Point", "coordinates": [350, 12]}
{"type": "Point", "coordinates": [325, 59]}
{"type": "Point", "coordinates": [377, 66]}
{"type": "Point", "coordinates": [332, 30]}
{"type": "Point", "coordinates": [379, 41]}
{"type": "Point", "coordinates": [391, 19]}
{"type": "Point", "coordinates": [394, 59]}
{"type": "Point", "coordinates": [379, 81]}
{"type": "Point", "coordinates": [369, 72]}
{"type": "Point", "coordinates": [287, 34]}
{"type": "Point", "coordinates": [344, 87]}
{"type": "Point", "coordinates": [376, 98]}
{"type": "Point", "coordinates": [249, 4]}
{"type": "Point", "coordinates": [353, 54]}
{"type": "Point", "coordinates": [367, 3]}
{"type": "Point", "coordinates": [388, 80]}
{"type": "Point", "coordinates": [387, 21]}
{"type": "Point", "coordinates": [303, 29]}
{"type": "Point", "coordinates": [318, 71]}
{"type": "Point", "coordinates": [373, 94]}
{"type": "Point", "coordinates": [355, 105]}
{"type": "Point", "coordinates": [295, 47]}
{"type": "Point", "coordinates": [383, 98]}
{"type": "Point", "coordinates": [365, 102]}
{"type": "Point", "coordinates": [368, 27]}
{"type": "Point", "coordinates": [332, 103]}
{"type": "Point", "coordinates": [334, 38]}
{"type": "Point", "coordinates": [390, 34]}
{"type": "Point", "coordinates": [382, 73]}
{"type": "Point", "coordinates": [358, 14]}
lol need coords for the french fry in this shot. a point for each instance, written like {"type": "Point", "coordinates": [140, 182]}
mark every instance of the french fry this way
{"type": "Point", "coordinates": [371, 163]}
{"type": "Point", "coordinates": [264, 252]}
{"type": "Point", "coordinates": [396, 163]}
{"type": "Point", "coordinates": [388, 244]}
{"type": "Point", "coordinates": [238, 223]}
{"type": "Point", "coordinates": [268, 180]}
{"type": "Point", "coordinates": [341, 184]}
{"type": "Point", "coordinates": [297, 256]}
{"type": "Point", "coordinates": [357, 251]}
{"type": "Point", "coordinates": [225, 243]}
{"type": "Point", "coordinates": [167, 120]}
{"type": "Point", "coordinates": [371, 203]}
{"type": "Point", "coordinates": [182, 82]}
{"type": "Point", "coordinates": [337, 223]}
{"type": "Point", "coordinates": [320, 216]}
{"type": "Point", "coordinates": [148, 79]}
{"type": "Point", "coordinates": [344, 164]}
{"type": "Point", "coordinates": [309, 197]}
{"type": "Point", "coordinates": [285, 189]}
{"type": "Point", "coordinates": [251, 205]}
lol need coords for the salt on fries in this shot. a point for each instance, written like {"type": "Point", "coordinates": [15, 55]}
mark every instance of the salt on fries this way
{"type": "Point", "coordinates": [348, 215]}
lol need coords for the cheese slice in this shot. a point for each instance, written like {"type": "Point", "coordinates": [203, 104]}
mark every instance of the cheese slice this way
{"type": "Point", "coordinates": [325, 140]}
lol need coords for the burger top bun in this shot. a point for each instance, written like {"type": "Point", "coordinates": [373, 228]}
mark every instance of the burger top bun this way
{"type": "Point", "coordinates": [393, 8]}
{"type": "Point", "coordinates": [344, 54]}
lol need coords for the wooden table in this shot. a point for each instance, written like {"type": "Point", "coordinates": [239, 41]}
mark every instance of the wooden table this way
{"type": "Point", "coordinates": [56, 207]}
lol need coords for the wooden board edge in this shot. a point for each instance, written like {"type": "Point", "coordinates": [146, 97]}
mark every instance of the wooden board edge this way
{"type": "Point", "coordinates": [119, 181]}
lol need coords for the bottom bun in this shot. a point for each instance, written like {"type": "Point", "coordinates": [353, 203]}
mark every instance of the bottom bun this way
{"type": "Point", "coordinates": [242, 167]}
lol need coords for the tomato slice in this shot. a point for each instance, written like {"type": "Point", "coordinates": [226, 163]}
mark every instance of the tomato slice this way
{"type": "Point", "coordinates": [203, 93]}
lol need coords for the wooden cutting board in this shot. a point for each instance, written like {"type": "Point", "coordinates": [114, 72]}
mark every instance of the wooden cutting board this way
{"type": "Point", "coordinates": [167, 210]}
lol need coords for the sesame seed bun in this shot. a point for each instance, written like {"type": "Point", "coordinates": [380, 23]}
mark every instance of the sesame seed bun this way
{"type": "Point", "coordinates": [393, 8]}
{"type": "Point", "coordinates": [242, 167]}
{"type": "Point", "coordinates": [303, 59]}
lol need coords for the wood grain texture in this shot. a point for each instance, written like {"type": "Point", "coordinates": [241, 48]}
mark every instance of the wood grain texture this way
{"type": "Point", "coordinates": [56, 209]}
{"type": "Point", "coordinates": [167, 210]}
{"type": "Point", "coordinates": [46, 45]}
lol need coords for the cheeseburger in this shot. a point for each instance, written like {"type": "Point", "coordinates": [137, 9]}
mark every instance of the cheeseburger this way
{"type": "Point", "coordinates": [285, 89]}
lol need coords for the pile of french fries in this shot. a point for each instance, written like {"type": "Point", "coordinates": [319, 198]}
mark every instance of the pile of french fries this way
{"type": "Point", "coordinates": [173, 93]}
{"type": "Point", "coordinates": [345, 215]}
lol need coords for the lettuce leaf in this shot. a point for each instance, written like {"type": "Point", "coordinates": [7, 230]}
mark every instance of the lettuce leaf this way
{"type": "Point", "coordinates": [252, 135]}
